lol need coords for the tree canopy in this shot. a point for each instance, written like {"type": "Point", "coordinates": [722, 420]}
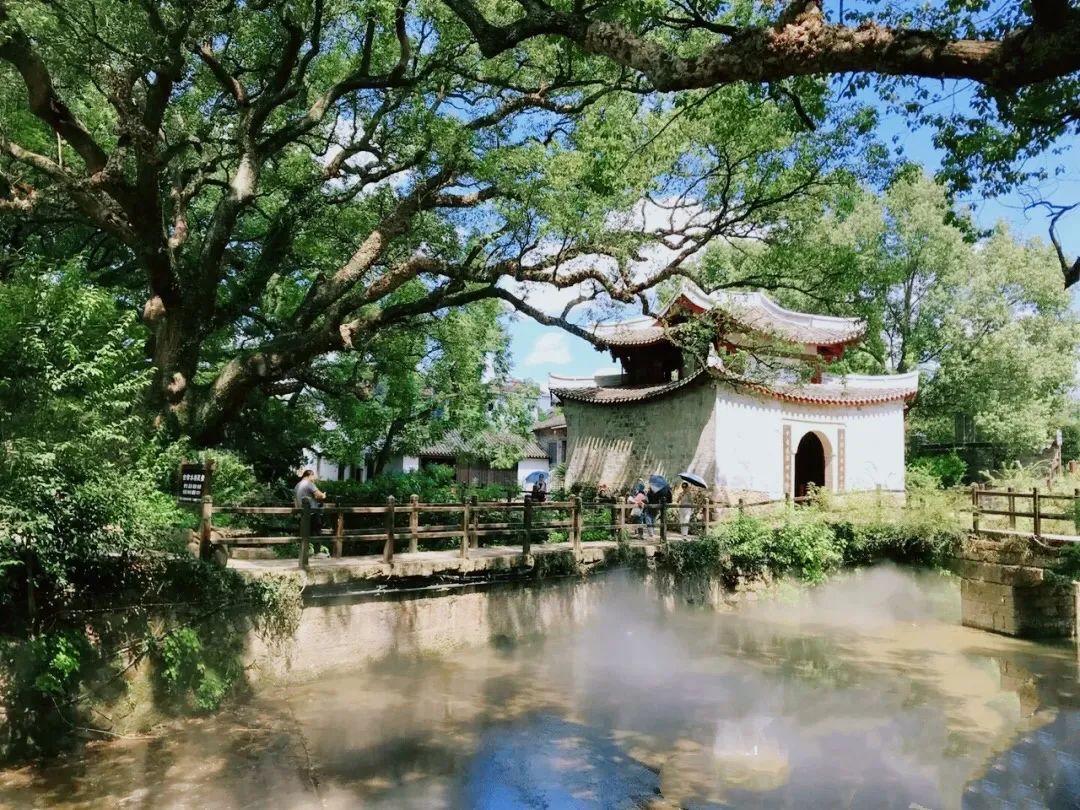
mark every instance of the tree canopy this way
{"type": "Point", "coordinates": [274, 183]}
{"type": "Point", "coordinates": [408, 388]}
{"type": "Point", "coordinates": [985, 318]}
{"type": "Point", "coordinates": [1006, 74]}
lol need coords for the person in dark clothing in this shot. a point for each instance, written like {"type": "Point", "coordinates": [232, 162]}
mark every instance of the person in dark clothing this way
{"type": "Point", "coordinates": [539, 490]}
{"type": "Point", "coordinates": [658, 499]}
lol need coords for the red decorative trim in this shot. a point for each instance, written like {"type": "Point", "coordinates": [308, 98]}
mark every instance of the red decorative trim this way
{"type": "Point", "coordinates": [841, 460]}
{"type": "Point", "coordinates": [788, 481]}
{"type": "Point", "coordinates": [825, 399]}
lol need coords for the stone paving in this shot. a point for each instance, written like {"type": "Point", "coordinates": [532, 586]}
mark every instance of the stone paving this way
{"type": "Point", "coordinates": [328, 570]}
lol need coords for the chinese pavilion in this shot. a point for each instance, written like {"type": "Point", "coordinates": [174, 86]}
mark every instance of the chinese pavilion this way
{"type": "Point", "coordinates": [749, 433]}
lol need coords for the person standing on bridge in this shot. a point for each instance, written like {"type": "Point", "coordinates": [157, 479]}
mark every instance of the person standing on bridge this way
{"type": "Point", "coordinates": [686, 508]}
{"type": "Point", "coordinates": [305, 493]}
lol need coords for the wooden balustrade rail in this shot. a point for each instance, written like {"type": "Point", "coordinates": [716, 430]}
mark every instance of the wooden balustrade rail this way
{"type": "Point", "coordinates": [1003, 503]}
{"type": "Point", "coordinates": [525, 520]}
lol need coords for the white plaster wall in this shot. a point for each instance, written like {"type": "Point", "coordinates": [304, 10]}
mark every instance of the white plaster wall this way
{"type": "Point", "coordinates": [527, 466]}
{"type": "Point", "coordinates": [749, 444]}
{"type": "Point", "coordinates": [875, 448]}
{"type": "Point", "coordinates": [325, 469]}
{"type": "Point", "coordinates": [403, 464]}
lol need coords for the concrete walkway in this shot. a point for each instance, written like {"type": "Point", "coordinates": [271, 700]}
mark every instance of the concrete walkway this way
{"type": "Point", "coordinates": [330, 570]}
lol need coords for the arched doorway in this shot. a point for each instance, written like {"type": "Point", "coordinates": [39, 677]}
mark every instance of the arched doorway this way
{"type": "Point", "coordinates": [809, 464]}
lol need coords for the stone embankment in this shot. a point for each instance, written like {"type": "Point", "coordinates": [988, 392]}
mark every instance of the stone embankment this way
{"type": "Point", "coordinates": [1009, 587]}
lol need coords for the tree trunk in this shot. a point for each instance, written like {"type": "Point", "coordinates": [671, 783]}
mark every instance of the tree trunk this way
{"type": "Point", "coordinates": [382, 458]}
{"type": "Point", "coordinates": [174, 346]}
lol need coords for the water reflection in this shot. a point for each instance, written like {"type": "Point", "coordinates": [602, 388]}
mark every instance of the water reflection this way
{"type": "Point", "coordinates": [862, 693]}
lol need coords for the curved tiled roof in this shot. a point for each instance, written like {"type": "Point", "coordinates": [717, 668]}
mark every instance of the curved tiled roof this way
{"type": "Point", "coordinates": [636, 332]}
{"type": "Point", "coordinates": [853, 391]}
{"type": "Point", "coordinates": [623, 393]}
{"type": "Point", "coordinates": [850, 397]}
{"type": "Point", "coordinates": [753, 311]}
{"type": "Point", "coordinates": [453, 445]}
{"type": "Point", "coordinates": [552, 422]}
{"type": "Point", "coordinates": [758, 312]}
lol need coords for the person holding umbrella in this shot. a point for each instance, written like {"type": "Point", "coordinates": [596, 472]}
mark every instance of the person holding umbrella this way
{"type": "Point", "coordinates": [539, 489]}
{"type": "Point", "coordinates": [659, 497]}
{"type": "Point", "coordinates": [686, 499]}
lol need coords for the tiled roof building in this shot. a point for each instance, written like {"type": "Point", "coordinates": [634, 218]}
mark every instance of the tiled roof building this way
{"type": "Point", "coordinates": [773, 427]}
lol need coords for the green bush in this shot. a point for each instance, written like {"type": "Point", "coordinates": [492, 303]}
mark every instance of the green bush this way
{"type": "Point", "coordinates": [1069, 561]}
{"type": "Point", "coordinates": [745, 541]}
{"type": "Point", "coordinates": [434, 484]}
{"type": "Point", "coordinates": [811, 543]}
{"type": "Point", "coordinates": [805, 547]}
{"type": "Point", "coordinates": [949, 470]}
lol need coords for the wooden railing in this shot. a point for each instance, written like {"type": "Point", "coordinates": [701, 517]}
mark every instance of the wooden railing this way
{"type": "Point", "coordinates": [1025, 505]}
{"type": "Point", "coordinates": [523, 521]}
{"type": "Point", "coordinates": [511, 523]}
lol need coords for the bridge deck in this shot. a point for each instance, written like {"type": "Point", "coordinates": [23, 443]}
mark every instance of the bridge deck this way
{"type": "Point", "coordinates": [326, 570]}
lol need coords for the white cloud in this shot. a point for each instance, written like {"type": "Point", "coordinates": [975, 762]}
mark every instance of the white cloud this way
{"type": "Point", "coordinates": [550, 349]}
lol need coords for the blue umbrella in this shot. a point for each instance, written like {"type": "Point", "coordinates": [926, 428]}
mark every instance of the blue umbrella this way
{"type": "Point", "coordinates": [533, 477]}
{"type": "Point", "coordinates": [657, 483]}
{"type": "Point", "coordinates": [696, 480]}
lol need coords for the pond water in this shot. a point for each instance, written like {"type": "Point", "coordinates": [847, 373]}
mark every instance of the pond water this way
{"type": "Point", "coordinates": [864, 692]}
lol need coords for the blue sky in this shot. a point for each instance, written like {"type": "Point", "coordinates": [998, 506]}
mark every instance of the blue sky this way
{"type": "Point", "coordinates": [539, 350]}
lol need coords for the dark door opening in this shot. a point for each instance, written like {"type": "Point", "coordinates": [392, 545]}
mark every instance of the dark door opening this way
{"type": "Point", "coordinates": [809, 465]}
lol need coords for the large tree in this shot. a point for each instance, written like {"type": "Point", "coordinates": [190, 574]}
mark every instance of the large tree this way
{"type": "Point", "coordinates": [274, 182]}
{"type": "Point", "coordinates": [985, 318]}
{"type": "Point", "coordinates": [1004, 84]}
{"type": "Point", "coordinates": [410, 387]}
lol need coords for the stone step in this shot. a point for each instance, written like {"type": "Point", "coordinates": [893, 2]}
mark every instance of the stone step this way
{"type": "Point", "coordinates": [252, 553]}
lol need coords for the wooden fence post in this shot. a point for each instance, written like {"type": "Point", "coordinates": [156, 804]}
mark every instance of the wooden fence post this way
{"type": "Point", "coordinates": [339, 533]}
{"type": "Point", "coordinates": [575, 521]}
{"type": "Point", "coordinates": [388, 549]}
{"type": "Point", "coordinates": [526, 527]}
{"type": "Point", "coordinates": [466, 519]}
{"type": "Point", "coordinates": [305, 533]}
{"type": "Point", "coordinates": [613, 521]}
{"type": "Point", "coordinates": [707, 516]}
{"type": "Point", "coordinates": [1012, 508]}
{"type": "Point", "coordinates": [1075, 500]}
{"type": "Point", "coordinates": [206, 519]}
{"type": "Point", "coordinates": [414, 523]}
{"type": "Point", "coordinates": [475, 521]}
{"type": "Point", "coordinates": [621, 521]}
{"type": "Point", "coordinates": [975, 513]}
{"type": "Point", "coordinates": [663, 522]}
{"type": "Point", "coordinates": [1036, 510]}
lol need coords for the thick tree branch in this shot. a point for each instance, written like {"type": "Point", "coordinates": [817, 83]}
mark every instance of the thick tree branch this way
{"type": "Point", "coordinates": [803, 44]}
{"type": "Point", "coordinates": [45, 103]}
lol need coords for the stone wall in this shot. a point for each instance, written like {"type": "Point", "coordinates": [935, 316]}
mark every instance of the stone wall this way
{"type": "Point", "coordinates": [617, 444]}
{"type": "Point", "coordinates": [344, 634]}
{"type": "Point", "coordinates": [1009, 587]}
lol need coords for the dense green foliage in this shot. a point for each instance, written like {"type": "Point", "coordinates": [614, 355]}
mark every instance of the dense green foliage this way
{"type": "Point", "coordinates": [986, 320]}
{"type": "Point", "coordinates": [188, 619]}
{"type": "Point", "coordinates": [810, 543]}
{"type": "Point", "coordinates": [946, 470]}
{"type": "Point", "coordinates": [93, 572]}
{"type": "Point", "coordinates": [294, 195]}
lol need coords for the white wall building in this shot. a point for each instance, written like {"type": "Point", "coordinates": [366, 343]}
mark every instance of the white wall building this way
{"type": "Point", "coordinates": [747, 438]}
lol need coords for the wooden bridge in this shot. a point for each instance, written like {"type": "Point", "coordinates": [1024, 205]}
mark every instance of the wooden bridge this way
{"type": "Point", "coordinates": [403, 528]}
{"type": "Point", "coordinates": [1008, 565]}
